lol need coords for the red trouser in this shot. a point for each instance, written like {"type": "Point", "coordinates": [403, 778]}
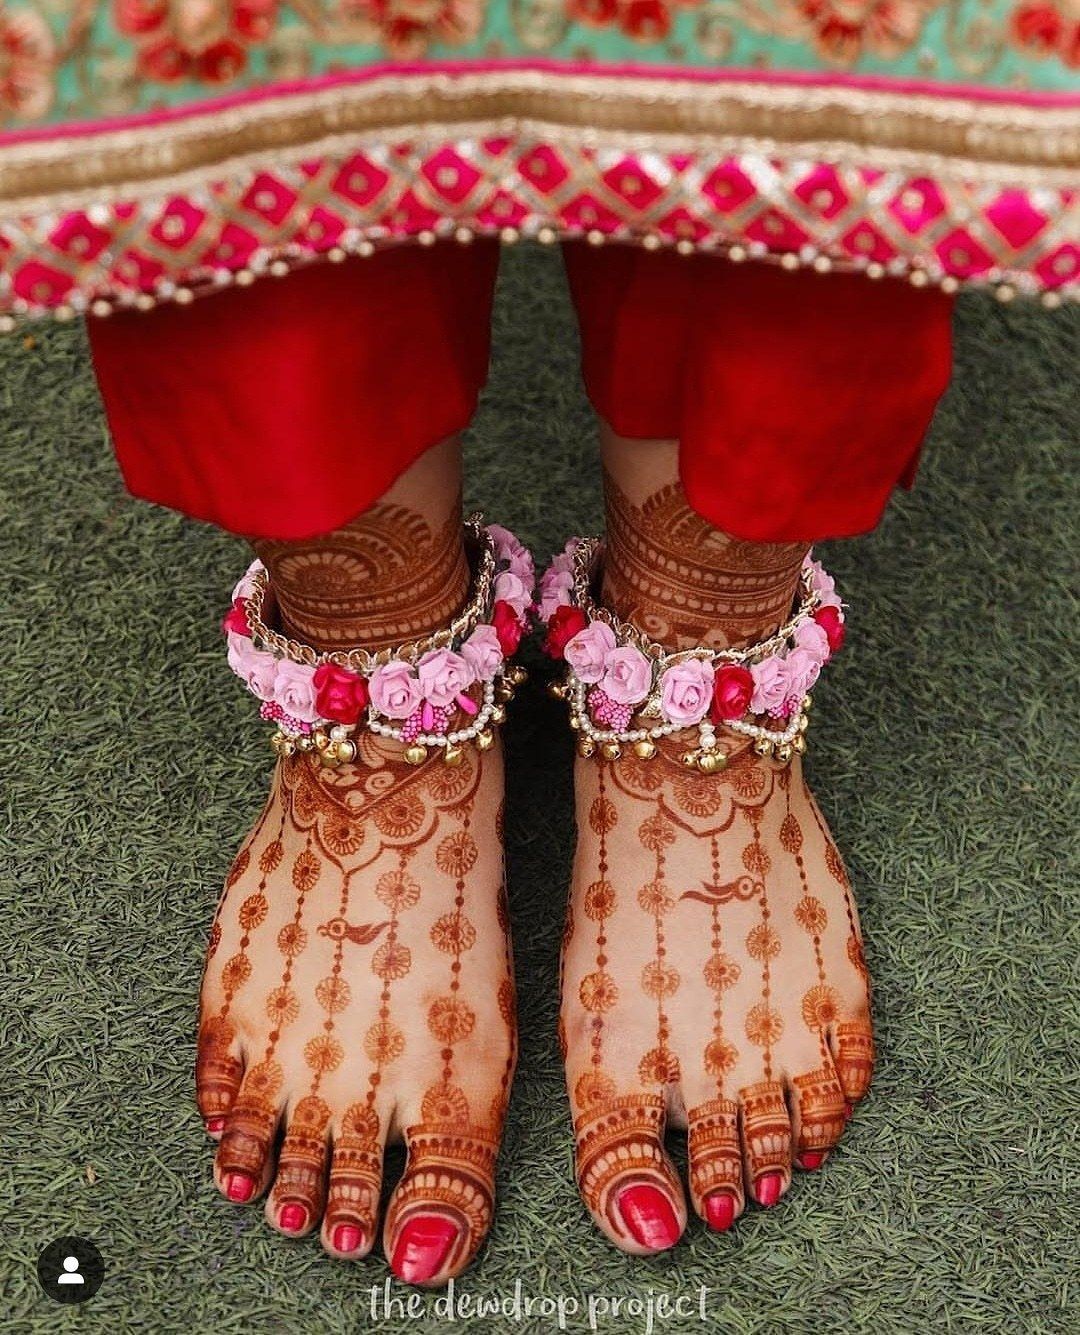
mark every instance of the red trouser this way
{"type": "Point", "coordinates": [285, 409]}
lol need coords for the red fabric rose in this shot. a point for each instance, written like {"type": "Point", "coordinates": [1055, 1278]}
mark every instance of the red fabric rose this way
{"type": "Point", "coordinates": [828, 618]}
{"type": "Point", "coordinates": [507, 627]}
{"type": "Point", "coordinates": [647, 20]}
{"type": "Point", "coordinates": [340, 695]}
{"type": "Point", "coordinates": [236, 619]}
{"type": "Point", "coordinates": [732, 689]}
{"type": "Point", "coordinates": [563, 624]}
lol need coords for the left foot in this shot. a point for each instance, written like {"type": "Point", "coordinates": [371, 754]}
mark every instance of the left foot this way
{"type": "Point", "coordinates": [713, 981]}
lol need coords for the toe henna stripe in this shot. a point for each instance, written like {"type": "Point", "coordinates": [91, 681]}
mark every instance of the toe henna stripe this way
{"type": "Point", "coordinates": [620, 1144]}
{"type": "Point", "coordinates": [716, 1163]}
{"type": "Point", "coordinates": [301, 1172]}
{"type": "Point", "coordinates": [766, 1129]}
{"type": "Point", "coordinates": [820, 1101]}
{"type": "Point", "coordinates": [356, 1169]}
{"type": "Point", "coordinates": [853, 1041]}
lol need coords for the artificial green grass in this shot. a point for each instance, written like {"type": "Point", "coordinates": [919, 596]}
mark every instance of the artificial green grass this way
{"type": "Point", "coordinates": [941, 754]}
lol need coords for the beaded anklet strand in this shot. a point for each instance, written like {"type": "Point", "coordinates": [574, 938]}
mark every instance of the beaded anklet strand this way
{"type": "Point", "coordinates": [624, 690]}
{"type": "Point", "coordinates": [436, 694]}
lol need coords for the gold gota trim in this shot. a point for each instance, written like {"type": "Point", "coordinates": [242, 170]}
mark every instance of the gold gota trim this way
{"type": "Point", "coordinates": [991, 140]}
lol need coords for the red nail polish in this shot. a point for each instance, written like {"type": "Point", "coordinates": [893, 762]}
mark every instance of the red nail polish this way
{"type": "Point", "coordinates": [292, 1217]}
{"type": "Point", "coordinates": [214, 1125]}
{"type": "Point", "coordinates": [239, 1187]}
{"type": "Point", "coordinates": [422, 1248]}
{"type": "Point", "coordinates": [811, 1159]}
{"type": "Point", "coordinates": [648, 1215]}
{"type": "Point", "coordinates": [346, 1238]}
{"type": "Point", "coordinates": [720, 1210]}
{"type": "Point", "coordinates": [767, 1188]}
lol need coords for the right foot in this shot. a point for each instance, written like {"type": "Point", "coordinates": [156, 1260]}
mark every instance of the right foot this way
{"type": "Point", "coordinates": [359, 990]}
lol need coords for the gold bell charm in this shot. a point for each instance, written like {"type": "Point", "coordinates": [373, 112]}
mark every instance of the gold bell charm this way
{"type": "Point", "coordinates": [415, 754]}
{"type": "Point", "coordinates": [485, 739]}
{"type": "Point", "coordinates": [763, 747]}
{"type": "Point", "coordinates": [586, 747]}
{"type": "Point", "coordinates": [558, 690]}
{"type": "Point", "coordinates": [644, 749]}
{"type": "Point", "coordinates": [452, 756]}
{"type": "Point", "coordinates": [711, 762]}
{"type": "Point", "coordinates": [611, 750]}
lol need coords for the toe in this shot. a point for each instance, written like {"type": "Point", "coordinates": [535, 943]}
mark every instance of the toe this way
{"type": "Point", "coordinates": [441, 1209]}
{"type": "Point", "coordinates": [766, 1140]}
{"type": "Point", "coordinates": [626, 1179]}
{"type": "Point", "coordinates": [356, 1170]}
{"type": "Point", "coordinates": [817, 1113]}
{"type": "Point", "coordinates": [716, 1166]}
{"type": "Point", "coordinates": [853, 1052]}
{"type": "Point", "coordinates": [242, 1166]}
{"type": "Point", "coordinates": [219, 1070]}
{"type": "Point", "coordinates": [295, 1203]}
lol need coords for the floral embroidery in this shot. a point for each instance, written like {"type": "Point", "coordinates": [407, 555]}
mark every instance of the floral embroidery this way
{"type": "Point", "coordinates": [842, 30]}
{"type": "Point", "coordinates": [643, 20]}
{"type": "Point", "coordinates": [27, 53]}
{"type": "Point", "coordinates": [406, 28]}
{"type": "Point", "coordinates": [204, 40]}
{"type": "Point", "coordinates": [1041, 28]}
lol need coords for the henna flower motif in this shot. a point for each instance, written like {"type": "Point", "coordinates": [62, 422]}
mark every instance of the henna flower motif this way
{"type": "Point", "coordinates": [392, 960]}
{"type": "Point", "coordinates": [592, 1088]}
{"type": "Point", "coordinates": [384, 1042]}
{"type": "Point", "coordinates": [764, 1025]}
{"type": "Point", "coordinates": [656, 834]}
{"type": "Point", "coordinates": [397, 890]}
{"type": "Point", "coordinates": [820, 1007]}
{"type": "Point", "coordinates": [252, 912]}
{"type": "Point", "coordinates": [721, 972]}
{"type": "Point", "coordinates": [340, 695]}
{"type": "Point", "coordinates": [654, 898]}
{"type": "Point", "coordinates": [236, 973]}
{"type": "Point", "coordinates": [598, 992]}
{"type": "Point", "coordinates": [720, 1057]}
{"type": "Point", "coordinates": [599, 900]}
{"type": "Point", "coordinates": [282, 1007]}
{"type": "Point", "coordinates": [456, 855]}
{"type": "Point", "coordinates": [450, 1020]}
{"type": "Point", "coordinates": [292, 940]}
{"type": "Point", "coordinates": [324, 1054]}
{"type": "Point", "coordinates": [452, 934]}
{"type": "Point", "coordinates": [400, 816]}
{"type": "Point", "coordinates": [658, 1067]}
{"type": "Point", "coordinates": [333, 993]}
{"type": "Point", "coordinates": [762, 943]}
{"type": "Point", "coordinates": [445, 1103]}
{"type": "Point", "coordinates": [810, 915]}
{"type": "Point", "coordinates": [659, 980]}
{"type": "Point", "coordinates": [263, 1080]}
{"type": "Point", "coordinates": [27, 53]}
{"type": "Point", "coordinates": [205, 40]}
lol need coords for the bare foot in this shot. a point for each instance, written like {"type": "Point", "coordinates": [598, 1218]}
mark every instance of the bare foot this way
{"type": "Point", "coordinates": [713, 980]}
{"type": "Point", "coordinates": [358, 990]}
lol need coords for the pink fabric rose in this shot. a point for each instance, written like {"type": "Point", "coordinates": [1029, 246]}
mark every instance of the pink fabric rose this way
{"type": "Point", "coordinates": [588, 649]}
{"type": "Point", "coordinates": [443, 676]}
{"type": "Point", "coordinates": [246, 584]}
{"type": "Point", "coordinates": [555, 586]}
{"type": "Point", "coordinates": [483, 653]}
{"type": "Point", "coordinates": [627, 676]}
{"type": "Point", "coordinates": [770, 686]}
{"type": "Point", "coordinates": [512, 589]}
{"type": "Point", "coordinates": [395, 692]}
{"type": "Point", "coordinates": [823, 585]}
{"type": "Point", "coordinates": [802, 671]}
{"type": "Point", "coordinates": [508, 548]}
{"type": "Point", "coordinates": [255, 668]}
{"type": "Point", "coordinates": [294, 690]}
{"type": "Point", "coordinates": [812, 639]}
{"type": "Point", "coordinates": [686, 691]}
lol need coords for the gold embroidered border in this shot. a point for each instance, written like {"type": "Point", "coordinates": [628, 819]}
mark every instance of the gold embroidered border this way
{"type": "Point", "coordinates": [916, 132]}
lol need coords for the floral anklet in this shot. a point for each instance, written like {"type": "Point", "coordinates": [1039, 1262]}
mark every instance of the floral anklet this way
{"type": "Point", "coordinates": [436, 694]}
{"type": "Point", "coordinates": [624, 690]}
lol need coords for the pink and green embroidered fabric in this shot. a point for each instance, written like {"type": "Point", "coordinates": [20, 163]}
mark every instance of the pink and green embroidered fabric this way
{"type": "Point", "coordinates": [150, 149]}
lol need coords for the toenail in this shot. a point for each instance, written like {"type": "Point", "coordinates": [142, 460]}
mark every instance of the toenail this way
{"type": "Point", "coordinates": [811, 1159]}
{"type": "Point", "coordinates": [214, 1125]}
{"type": "Point", "coordinates": [292, 1217]}
{"type": "Point", "coordinates": [346, 1238]}
{"type": "Point", "coordinates": [239, 1187]}
{"type": "Point", "coordinates": [422, 1248]}
{"type": "Point", "coordinates": [648, 1215]}
{"type": "Point", "coordinates": [720, 1210]}
{"type": "Point", "coordinates": [767, 1188]}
